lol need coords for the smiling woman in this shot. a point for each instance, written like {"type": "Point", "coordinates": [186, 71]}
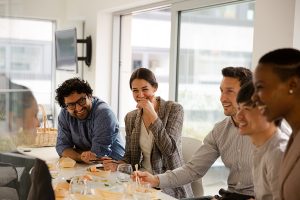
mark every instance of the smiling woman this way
{"type": "Point", "coordinates": [277, 85]}
{"type": "Point", "coordinates": [153, 131]}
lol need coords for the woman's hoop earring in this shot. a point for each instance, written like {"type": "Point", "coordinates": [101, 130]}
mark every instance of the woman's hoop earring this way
{"type": "Point", "coordinates": [291, 91]}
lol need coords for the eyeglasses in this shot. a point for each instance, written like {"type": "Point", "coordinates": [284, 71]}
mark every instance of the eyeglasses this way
{"type": "Point", "coordinates": [72, 106]}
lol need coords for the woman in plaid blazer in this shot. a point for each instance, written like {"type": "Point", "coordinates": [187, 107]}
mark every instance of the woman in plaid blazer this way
{"type": "Point", "coordinates": [153, 131]}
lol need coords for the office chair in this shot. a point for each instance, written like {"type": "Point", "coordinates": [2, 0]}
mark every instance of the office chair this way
{"type": "Point", "coordinates": [9, 187]}
{"type": "Point", "coordinates": [189, 146]}
{"type": "Point", "coordinates": [23, 165]}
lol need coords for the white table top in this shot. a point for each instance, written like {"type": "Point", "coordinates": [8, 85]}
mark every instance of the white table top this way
{"type": "Point", "coordinates": [44, 153]}
{"type": "Point", "coordinates": [49, 155]}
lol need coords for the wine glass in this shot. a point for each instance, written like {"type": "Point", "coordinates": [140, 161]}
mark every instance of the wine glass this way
{"type": "Point", "coordinates": [123, 173]}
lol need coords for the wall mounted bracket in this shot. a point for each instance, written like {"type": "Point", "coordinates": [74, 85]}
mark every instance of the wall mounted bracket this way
{"type": "Point", "coordinates": [88, 50]}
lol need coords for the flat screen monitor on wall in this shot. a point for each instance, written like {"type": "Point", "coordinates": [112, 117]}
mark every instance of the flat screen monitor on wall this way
{"type": "Point", "coordinates": [66, 49]}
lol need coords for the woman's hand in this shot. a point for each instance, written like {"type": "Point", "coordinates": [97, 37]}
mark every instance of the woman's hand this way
{"type": "Point", "coordinates": [148, 105]}
{"type": "Point", "coordinates": [145, 177]}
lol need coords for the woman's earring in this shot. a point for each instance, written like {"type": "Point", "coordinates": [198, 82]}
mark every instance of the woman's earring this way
{"type": "Point", "coordinates": [291, 91]}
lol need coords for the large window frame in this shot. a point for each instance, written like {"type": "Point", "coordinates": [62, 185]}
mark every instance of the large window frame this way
{"type": "Point", "coordinates": [176, 7]}
{"type": "Point", "coordinates": [39, 45]}
{"type": "Point", "coordinates": [210, 183]}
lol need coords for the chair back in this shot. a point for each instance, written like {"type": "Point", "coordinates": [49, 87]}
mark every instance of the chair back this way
{"type": "Point", "coordinates": [189, 147]}
{"type": "Point", "coordinates": [9, 188]}
{"type": "Point", "coordinates": [23, 165]}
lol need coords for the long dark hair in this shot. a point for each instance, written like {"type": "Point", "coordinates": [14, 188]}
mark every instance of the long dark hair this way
{"type": "Point", "coordinates": [143, 73]}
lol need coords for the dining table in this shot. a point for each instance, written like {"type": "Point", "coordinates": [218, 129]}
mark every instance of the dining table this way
{"type": "Point", "coordinates": [61, 174]}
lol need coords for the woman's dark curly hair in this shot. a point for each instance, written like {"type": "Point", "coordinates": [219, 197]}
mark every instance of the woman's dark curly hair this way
{"type": "Point", "coordinates": [70, 86]}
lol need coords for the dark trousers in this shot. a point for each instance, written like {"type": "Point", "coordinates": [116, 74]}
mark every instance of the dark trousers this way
{"type": "Point", "coordinates": [200, 198]}
{"type": "Point", "coordinates": [225, 195]}
{"type": "Point", "coordinates": [244, 197]}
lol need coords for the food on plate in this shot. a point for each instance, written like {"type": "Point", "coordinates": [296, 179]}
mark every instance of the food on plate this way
{"type": "Point", "coordinates": [60, 193]}
{"type": "Point", "coordinates": [61, 189]}
{"type": "Point", "coordinates": [87, 177]}
{"type": "Point", "coordinates": [92, 170]}
{"type": "Point", "coordinates": [67, 162]}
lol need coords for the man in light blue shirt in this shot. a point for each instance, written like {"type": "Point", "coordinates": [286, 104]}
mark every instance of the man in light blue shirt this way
{"type": "Point", "coordinates": [87, 127]}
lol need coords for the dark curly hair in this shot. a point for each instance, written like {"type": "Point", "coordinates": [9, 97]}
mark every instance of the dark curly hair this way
{"type": "Point", "coordinates": [243, 74]}
{"type": "Point", "coordinates": [70, 86]}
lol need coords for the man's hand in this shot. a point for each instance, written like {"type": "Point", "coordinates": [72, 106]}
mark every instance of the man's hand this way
{"type": "Point", "coordinates": [88, 156]}
{"type": "Point", "coordinates": [145, 177]}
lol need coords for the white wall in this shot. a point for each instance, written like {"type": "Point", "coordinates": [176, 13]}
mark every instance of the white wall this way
{"type": "Point", "coordinates": [275, 26]}
{"type": "Point", "coordinates": [297, 25]}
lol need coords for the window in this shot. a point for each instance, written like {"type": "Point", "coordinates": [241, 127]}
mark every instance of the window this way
{"type": "Point", "coordinates": [145, 42]}
{"type": "Point", "coordinates": [26, 50]}
{"type": "Point", "coordinates": [204, 39]}
{"type": "Point", "coordinates": [210, 39]}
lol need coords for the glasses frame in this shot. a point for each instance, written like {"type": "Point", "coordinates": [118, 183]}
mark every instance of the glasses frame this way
{"type": "Point", "coordinates": [72, 106]}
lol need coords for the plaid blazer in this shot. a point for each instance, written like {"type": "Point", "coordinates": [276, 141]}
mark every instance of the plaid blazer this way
{"type": "Point", "coordinates": [166, 152]}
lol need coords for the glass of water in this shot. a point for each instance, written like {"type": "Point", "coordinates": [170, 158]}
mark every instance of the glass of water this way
{"type": "Point", "coordinates": [123, 173]}
{"type": "Point", "coordinates": [78, 185]}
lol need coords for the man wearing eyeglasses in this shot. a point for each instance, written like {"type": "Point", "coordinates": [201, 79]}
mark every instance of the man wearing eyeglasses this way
{"type": "Point", "coordinates": [87, 127]}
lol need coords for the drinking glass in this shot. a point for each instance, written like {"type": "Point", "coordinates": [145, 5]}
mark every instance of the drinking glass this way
{"type": "Point", "coordinates": [78, 185]}
{"type": "Point", "coordinates": [142, 191]}
{"type": "Point", "coordinates": [123, 172]}
{"type": "Point", "coordinates": [54, 168]}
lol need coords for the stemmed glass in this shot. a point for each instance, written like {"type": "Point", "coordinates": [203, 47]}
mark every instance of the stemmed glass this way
{"type": "Point", "coordinates": [123, 173]}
